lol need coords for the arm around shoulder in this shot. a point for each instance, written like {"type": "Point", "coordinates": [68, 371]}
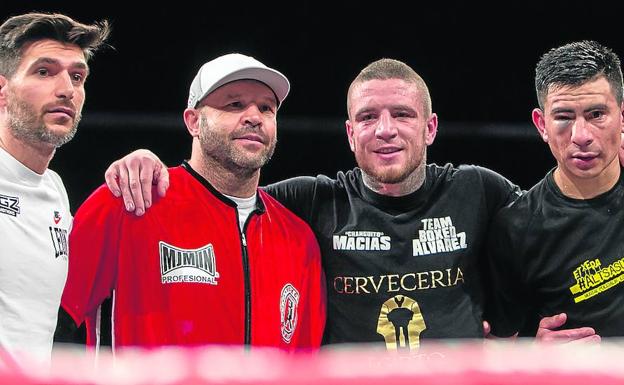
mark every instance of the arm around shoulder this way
{"type": "Point", "coordinates": [499, 191]}
{"type": "Point", "coordinates": [133, 177]}
{"type": "Point", "coordinates": [296, 194]}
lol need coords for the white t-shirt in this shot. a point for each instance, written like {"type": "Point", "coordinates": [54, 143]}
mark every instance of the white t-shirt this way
{"type": "Point", "coordinates": [35, 221]}
{"type": "Point", "coordinates": [245, 206]}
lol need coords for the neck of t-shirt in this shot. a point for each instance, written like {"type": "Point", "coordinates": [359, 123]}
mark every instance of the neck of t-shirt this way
{"type": "Point", "coordinates": [579, 188]}
{"type": "Point", "coordinates": [245, 206]}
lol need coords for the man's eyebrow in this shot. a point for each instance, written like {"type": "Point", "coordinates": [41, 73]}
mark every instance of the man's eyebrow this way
{"type": "Point", "coordinates": [237, 95]}
{"type": "Point", "coordinates": [593, 107]}
{"type": "Point", "coordinates": [403, 107]}
{"type": "Point", "coordinates": [48, 60]}
{"type": "Point", "coordinates": [364, 110]}
{"type": "Point", "coordinates": [393, 107]}
{"type": "Point", "coordinates": [233, 95]}
{"type": "Point", "coordinates": [597, 106]}
{"type": "Point", "coordinates": [559, 110]}
{"type": "Point", "coordinates": [271, 99]}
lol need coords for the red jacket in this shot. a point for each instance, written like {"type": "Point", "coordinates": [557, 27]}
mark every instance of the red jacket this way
{"type": "Point", "coordinates": [184, 273]}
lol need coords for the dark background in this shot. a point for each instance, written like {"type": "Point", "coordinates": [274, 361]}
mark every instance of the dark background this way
{"type": "Point", "coordinates": [477, 59]}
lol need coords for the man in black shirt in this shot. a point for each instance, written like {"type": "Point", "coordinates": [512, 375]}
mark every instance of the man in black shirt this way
{"type": "Point", "coordinates": [400, 251]}
{"type": "Point", "coordinates": [559, 247]}
{"type": "Point", "coordinates": [403, 242]}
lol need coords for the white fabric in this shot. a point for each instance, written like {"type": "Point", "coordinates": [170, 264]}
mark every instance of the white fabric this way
{"type": "Point", "coordinates": [244, 207]}
{"type": "Point", "coordinates": [35, 221]}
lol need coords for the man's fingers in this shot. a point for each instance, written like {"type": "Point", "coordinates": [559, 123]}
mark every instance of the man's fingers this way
{"type": "Point", "coordinates": [147, 174]}
{"type": "Point", "coordinates": [587, 340]}
{"type": "Point", "coordinates": [570, 334]}
{"type": "Point", "coordinates": [133, 177]}
{"type": "Point", "coordinates": [486, 329]}
{"type": "Point", "coordinates": [162, 180]}
{"type": "Point", "coordinates": [111, 176]}
{"type": "Point", "coordinates": [553, 322]}
{"type": "Point", "coordinates": [547, 331]}
{"type": "Point", "coordinates": [134, 184]}
{"type": "Point", "coordinates": [126, 195]}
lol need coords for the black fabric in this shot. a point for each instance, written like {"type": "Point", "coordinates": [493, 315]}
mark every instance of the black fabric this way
{"type": "Point", "coordinates": [67, 332]}
{"type": "Point", "coordinates": [381, 278]}
{"type": "Point", "coordinates": [553, 254]}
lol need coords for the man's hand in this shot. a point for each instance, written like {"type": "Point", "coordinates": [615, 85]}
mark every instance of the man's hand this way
{"type": "Point", "coordinates": [547, 333]}
{"type": "Point", "coordinates": [489, 336]}
{"type": "Point", "coordinates": [132, 177]}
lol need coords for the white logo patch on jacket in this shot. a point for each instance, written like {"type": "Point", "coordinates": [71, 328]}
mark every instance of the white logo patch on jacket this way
{"type": "Point", "coordinates": [187, 265]}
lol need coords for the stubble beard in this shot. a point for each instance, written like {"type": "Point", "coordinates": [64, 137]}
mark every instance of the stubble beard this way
{"type": "Point", "coordinates": [216, 144]}
{"type": "Point", "coordinates": [28, 126]}
{"type": "Point", "coordinates": [411, 176]}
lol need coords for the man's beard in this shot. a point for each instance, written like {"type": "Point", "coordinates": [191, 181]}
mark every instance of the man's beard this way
{"type": "Point", "coordinates": [217, 144]}
{"type": "Point", "coordinates": [392, 175]}
{"type": "Point", "coordinates": [28, 126]}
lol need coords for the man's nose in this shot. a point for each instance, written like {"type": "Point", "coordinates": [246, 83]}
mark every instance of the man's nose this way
{"type": "Point", "coordinates": [64, 86]}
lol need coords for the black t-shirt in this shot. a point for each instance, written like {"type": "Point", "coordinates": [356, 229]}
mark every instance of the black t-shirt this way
{"type": "Point", "coordinates": [400, 269]}
{"type": "Point", "coordinates": [552, 254]}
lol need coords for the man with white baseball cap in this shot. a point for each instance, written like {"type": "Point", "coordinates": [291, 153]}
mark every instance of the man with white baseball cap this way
{"type": "Point", "coordinates": [219, 261]}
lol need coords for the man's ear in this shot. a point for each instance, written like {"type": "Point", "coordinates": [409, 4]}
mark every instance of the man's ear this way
{"type": "Point", "coordinates": [191, 119]}
{"type": "Point", "coordinates": [432, 129]}
{"type": "Point", "coordinates": [349, 127]}
{"type": "Point", "coordinates": [540, 123]}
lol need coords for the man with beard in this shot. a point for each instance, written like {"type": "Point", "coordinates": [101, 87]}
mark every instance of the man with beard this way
{"type": "Point", "coordinates": [402, 242]}
{"type": "Point", "coordinates": [43, 69]}
{"type": "Point", "coordinates": [218, 261]}
{"type": "Point", "coordinates": [401, 252]}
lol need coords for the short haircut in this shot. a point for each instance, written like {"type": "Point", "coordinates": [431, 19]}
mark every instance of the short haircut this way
{"type": "Point", "coordinates": [575, 64]}
{"type": "Point", "coordinates": [18, 31]}
{"type": "Point", "coordinates": [384, 69]}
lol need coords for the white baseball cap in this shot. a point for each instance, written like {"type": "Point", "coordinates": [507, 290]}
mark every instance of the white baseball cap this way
{"type": "Point", "coordinates": [231, 67]}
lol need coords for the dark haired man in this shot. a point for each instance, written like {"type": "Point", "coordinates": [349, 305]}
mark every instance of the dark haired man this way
{"type": "Point", "coordinates": [558, 248]}
{"type": "Point", "coordinates": [43, 69]}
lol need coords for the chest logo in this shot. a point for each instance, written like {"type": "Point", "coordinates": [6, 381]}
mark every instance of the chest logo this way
{"type": "Point", "coordinates": [592, 278]}
{"type": "Point", "coordinates": [59, 241]}
{"type": "Point", "coordinates": [57, 217]}
{"type": "Point", "coordinates": [362, 240]}
{"type": "Point", "coordinates": [9, 205]}
{"type": "Point", "coordinates": [400, 323]}
{"type": "Point", "coordinates": [179, 265]}
{"type": "Point", "coordinates": [438, 235]}
{"type": "Point", "coordinates": [289, 303]}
